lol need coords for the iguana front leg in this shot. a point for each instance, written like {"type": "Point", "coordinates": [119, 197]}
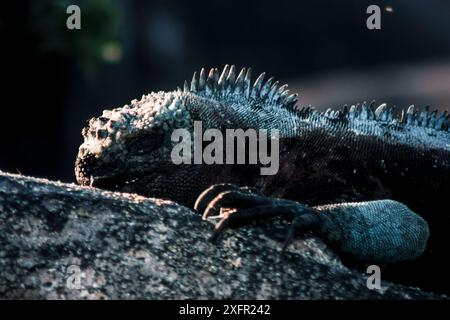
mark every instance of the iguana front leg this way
{"type": "Point", "coordinates": [236, 207]}
{"type": "Point", "coordinates": [382, 231]}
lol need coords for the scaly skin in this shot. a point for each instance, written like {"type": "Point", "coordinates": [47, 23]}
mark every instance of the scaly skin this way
{"type": "Point", "coordinates": [399, 164]}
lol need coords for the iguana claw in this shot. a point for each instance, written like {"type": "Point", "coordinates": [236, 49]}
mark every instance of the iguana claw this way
{"type": "Point", "coordinates": [236, 207]}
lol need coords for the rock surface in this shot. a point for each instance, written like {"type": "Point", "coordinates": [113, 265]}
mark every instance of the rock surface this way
{"type": "Point", "coordinates": [62, 241]}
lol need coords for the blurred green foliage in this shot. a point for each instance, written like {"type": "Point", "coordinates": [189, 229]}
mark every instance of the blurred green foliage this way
{"type": "Point", "coordinates": [96, 41]}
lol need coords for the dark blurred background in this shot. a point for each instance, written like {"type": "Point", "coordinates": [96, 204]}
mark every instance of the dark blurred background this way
{"type": "Point", "coordinates": [54, 79]}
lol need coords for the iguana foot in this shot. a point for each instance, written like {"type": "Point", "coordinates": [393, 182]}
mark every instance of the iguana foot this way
{"type": "Point", "coordinates": [237, 206]}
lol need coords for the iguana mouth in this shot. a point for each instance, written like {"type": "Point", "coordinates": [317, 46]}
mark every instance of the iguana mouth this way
{"type": "Point", "coordinates": [118, 182]}
{"type": "Point", "coordinates": [113, 183]}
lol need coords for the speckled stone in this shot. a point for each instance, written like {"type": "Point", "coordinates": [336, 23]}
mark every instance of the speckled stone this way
{"type": "Point", "coordinates": [62, 241]}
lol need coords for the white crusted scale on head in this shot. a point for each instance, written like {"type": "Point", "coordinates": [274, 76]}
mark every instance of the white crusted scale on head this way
{"type": "Point", "coordinates": [155, 111]}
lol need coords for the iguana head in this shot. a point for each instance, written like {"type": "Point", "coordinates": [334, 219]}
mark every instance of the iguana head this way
{"type": "Point", "coordinates": [129, 148]}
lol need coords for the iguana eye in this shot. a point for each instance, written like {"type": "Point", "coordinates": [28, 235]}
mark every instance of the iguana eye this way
{"type": "Point", "coordinates": [145, 143]}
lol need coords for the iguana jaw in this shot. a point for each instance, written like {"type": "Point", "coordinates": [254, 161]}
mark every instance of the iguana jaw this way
{"type": "Point", "coordinates": [150, 174]}
{"type": "Point", "coordinates": [158, 179]}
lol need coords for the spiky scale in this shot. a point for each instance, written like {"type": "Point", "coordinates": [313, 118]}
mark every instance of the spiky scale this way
{"type": "Point", "coordinates": [441, 121]}
{"type": "Point", "coordinates": [273, 90]}
{"type": "Point", "coordinates": [432, 120]}
{"type": "Point", "coordinates": [194, 82]}
{"type": "Point", "coordinates": [223, 77]}
{"type": "Point", "coordinates": [372, 106]}
{"type": "Point", "coordinates": [416, 118]}
{"type": "Point", "coordinates": [257, 86]}
{"type": "Point", "coordinates": [231, 77]}
{"type": "Point", "coordinates": [364, 115]}
{"type": "Point", "coordinates": [202, 79]}
{"type": "Point", "coordinates": [410, 115]}
{"type": "Point", "coordinates": [291, 100]}
{"type": "Point", "coordinates": [209, 86]}
{"type": "Point", "coordinates": [239, 85]}
{"type": "Point", "coordinates": [402, 116]}
{"type": "Point", "coordinates": [380, 111]}
{"type": "Point", "coordinates": [266, 88]}
{"type": "Point", "coordinates": [283, 96]}
{"type": "Point", "coordinates": [390, 114]}
{"type": "Point", "coordinates": [248, 82]}
{"type": "Point", "coordinates": [353, 112]}
{"type": "Point", "coordinates": [216, 79]}
{"type": "Point", "coordinates": [370, 114]}
{"type": "Point", "coordinates": [424, 116]}
{"type": "Point", "coordinates": [278, 93]}
{"type": "Point", "coordinates": [216, 75]}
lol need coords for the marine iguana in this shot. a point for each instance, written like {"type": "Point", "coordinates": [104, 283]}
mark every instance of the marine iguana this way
{"type": "Point", "coordinates": [365, 179]}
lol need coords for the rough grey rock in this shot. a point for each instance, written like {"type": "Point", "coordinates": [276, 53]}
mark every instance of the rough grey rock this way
{"type": "Point", "coordinates": [62, 241]}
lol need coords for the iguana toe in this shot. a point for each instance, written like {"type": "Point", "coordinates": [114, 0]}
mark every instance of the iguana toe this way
{"type": "Point", "coordinates": [209, 194]}
{"type": "Point", "coordinates": [237, 207]}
